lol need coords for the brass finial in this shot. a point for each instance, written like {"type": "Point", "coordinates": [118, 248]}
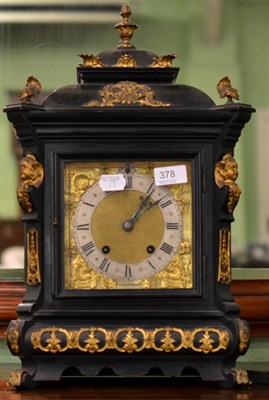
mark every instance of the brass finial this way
{"type": "Point", "coordinates": [126, 28]}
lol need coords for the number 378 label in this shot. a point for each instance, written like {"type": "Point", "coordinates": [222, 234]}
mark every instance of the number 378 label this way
{"type": "Point", "coordinates": [170, 175]}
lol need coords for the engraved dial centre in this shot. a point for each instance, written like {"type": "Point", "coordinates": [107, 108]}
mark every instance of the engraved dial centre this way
{"type": "Point", "coordinates": [127, 245]}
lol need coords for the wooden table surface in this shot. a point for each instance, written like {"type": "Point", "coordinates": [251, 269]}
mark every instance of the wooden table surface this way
{"type": "Point", "coordinates": [143, 389]}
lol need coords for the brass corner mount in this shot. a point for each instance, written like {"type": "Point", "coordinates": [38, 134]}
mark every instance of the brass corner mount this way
{"type": "Point", "coordinates": [31, 90]}
{"type": "Point", "coordinates": [225, 89]}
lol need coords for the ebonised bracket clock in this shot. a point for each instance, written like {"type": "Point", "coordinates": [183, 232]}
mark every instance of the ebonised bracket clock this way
{"type": "Point", "coordinates": [128, 186]}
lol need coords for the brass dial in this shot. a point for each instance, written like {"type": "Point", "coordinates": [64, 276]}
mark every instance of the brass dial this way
{"type": "Point", "coordinates": [129, 234]}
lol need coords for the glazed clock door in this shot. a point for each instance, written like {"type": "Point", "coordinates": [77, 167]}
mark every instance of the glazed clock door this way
{"type": "Point", "coordinates": [128, 225]}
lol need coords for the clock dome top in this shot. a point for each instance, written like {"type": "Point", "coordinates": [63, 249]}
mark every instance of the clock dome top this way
{"type": "Point", "coordinates": [125, 77]}
{"type": "Point", "coordinates": [126, 60]}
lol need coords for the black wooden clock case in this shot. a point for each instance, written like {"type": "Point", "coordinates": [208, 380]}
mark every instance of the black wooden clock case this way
{"type": "Point", "coordinates": [127, 332]}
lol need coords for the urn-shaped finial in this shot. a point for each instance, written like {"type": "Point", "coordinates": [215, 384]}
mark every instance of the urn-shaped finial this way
{"type": "Point", "coordinates": [126, 28]}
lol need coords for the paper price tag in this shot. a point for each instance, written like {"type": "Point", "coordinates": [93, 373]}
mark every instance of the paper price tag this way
{"type": "Point", "coordinates": [110, 183]}
{"type": "Point", "coordinates": [170, 175]}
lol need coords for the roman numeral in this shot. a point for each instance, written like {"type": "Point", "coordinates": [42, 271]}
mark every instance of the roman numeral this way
{"type": "Point", "coordinates": [88, 204]}
{"type": "Point", "coordinates": [167, 248]}
{"type": "Point", "coordinates": [152, 266]}
{"type": "Point", "coordinates": [149, 189]}
{"type": "Point", "coordinates": [129, 183]}
{"type": "Point", "coordinates": [105, 265]}
{"type": "Point", "coordinates": [83, 227]}
{"type": "Point", "coordinates": [167, 203]}
{"type": "Point", "coordinates": [88, 248]}
{"type": "Point", "coordinates": [128, 271]}
{"type": "Point", "coordinates": [172, 225]}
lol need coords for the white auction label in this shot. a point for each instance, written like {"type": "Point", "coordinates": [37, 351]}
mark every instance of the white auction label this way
{"type": "Point", "coordinates": [170, 175]}
{"type": "Point", "coordinates": [110, 183]}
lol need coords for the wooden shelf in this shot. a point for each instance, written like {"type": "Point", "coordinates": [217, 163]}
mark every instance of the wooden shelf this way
{"type": "Point", "coordinates": [251, 295]}
{"type": "Point", "coordinates": [11, 294]}
{"type": "Point", "coordinates": [253, 298]}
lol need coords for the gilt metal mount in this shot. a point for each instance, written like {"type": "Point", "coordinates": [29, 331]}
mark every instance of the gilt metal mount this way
{"type": "Point", "coordinates": [126, 29]}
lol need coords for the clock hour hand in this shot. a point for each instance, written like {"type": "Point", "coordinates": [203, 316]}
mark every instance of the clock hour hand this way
{"type": "Point", "coordinates": [129, 223]}
{"type": "Point", "coordinates": [141, 209]}
{"type": "Point", "coordinates": [156, 202]}
{"type": "Point", "coordinates": [145, 206]}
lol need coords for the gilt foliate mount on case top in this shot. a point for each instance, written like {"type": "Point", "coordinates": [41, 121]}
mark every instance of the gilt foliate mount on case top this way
{"type": "Point", "coordinates": [138, 237]}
